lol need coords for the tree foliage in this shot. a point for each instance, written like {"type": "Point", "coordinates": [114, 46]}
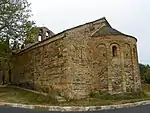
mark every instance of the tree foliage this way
{"type": "Point", "coordinates": [31, 35]}
{"type": "Point", "coordinates": [145, 73]}
{"type": "Point", "coordinates": [14, 17]}
{"type": "Point", "coordinates": [14, 27]}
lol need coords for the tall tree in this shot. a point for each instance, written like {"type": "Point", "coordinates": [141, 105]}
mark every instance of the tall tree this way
{"type": "Point", "coordinates": [14, 17]}
{"type": "Point", "coordinates": [14, 26]}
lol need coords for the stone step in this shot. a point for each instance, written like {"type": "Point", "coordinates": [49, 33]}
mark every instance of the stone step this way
{"type": "Point", "coordinates": [3, 86]}
{"type": "Point", "coordinates": [60, 99]}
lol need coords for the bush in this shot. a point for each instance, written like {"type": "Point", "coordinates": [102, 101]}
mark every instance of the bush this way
{"type": "Point", "coordinates": [147, 79]}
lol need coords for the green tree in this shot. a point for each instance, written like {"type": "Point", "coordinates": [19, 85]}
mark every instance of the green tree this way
{"type": "Point", "coordinates": [145, 73]}
{"type": "Point", "coordinates": [14, 17]}
{"type": "Point", "coordinates": [143, 70]}
{"type": "Point", "coordinates": [14, 27]}
{"type": "Point", "coordinates": [32, 34]}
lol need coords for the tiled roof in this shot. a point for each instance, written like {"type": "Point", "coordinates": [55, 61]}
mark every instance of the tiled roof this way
{"type": "Point", "coordinates": [107, 30]}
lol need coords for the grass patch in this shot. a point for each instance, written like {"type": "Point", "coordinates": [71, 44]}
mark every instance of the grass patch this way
{"type": "Point", "coordinates": [97, 99]}
{"type": "Point", "coordinates": [107, 96]}
{"type": "Point", "coordinates": [41, 109]}
{"type": "Point", "coordinates": [16, 95]}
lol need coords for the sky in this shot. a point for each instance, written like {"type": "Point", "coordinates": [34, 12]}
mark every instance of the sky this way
{"type": "Point", "coordinates": [131, 17]}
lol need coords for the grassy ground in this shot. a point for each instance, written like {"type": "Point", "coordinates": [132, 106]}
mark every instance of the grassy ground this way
{"type": "Point", "coordinates": [14, 95]}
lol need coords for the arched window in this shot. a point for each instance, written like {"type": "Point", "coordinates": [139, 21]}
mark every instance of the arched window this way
{"type": "Point", "coordinates": [39, 38]}
{"type": "Point", "coordinates": [47, 34]}
{"type": "Point", "coordinates": [114, 51]}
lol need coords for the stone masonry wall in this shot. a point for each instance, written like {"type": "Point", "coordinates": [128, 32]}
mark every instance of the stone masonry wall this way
{"type": "Point", "coordinates": [92, 66]}
{"type": "Point", "coordinates": [43, 67]}
{"type": "Point", "coordinates": [74, 64]}
{"type": "Point", "coordinates": [80, 66]}
{"type": "Point", "coordinates": [114, 74]}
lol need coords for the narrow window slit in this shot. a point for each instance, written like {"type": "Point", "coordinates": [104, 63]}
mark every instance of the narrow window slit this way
{"type": "Point", "coordinates": [114, 51]}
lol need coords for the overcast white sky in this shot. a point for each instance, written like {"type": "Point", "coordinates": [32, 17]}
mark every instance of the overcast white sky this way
{"type": "Point", "coordinates": [131, 17]}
